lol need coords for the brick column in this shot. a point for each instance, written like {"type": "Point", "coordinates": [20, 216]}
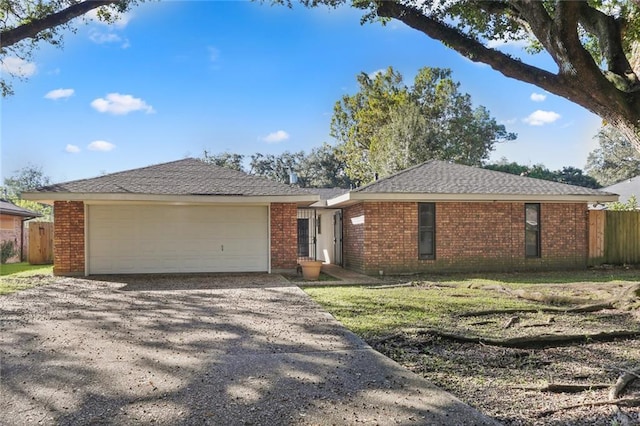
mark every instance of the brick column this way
{"type": "Point", "coordinates": [68, 238]}
{"type": "Point", "coordinates": [284, 235]}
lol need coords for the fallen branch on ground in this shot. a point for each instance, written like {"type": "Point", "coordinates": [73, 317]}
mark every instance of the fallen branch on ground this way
{"type": "Point", "coordinates": [565, 387]}
{"type": "Point", "coordinates": [576, 310]}
{"type": "Point", "coordinates": [617, 389]}
{"type": "Point", "coordinates": [535, 342]}
{"type": "Point", "coordinates": [625, 402]}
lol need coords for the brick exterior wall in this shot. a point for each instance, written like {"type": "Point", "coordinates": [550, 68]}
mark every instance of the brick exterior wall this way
{"type": "Point", "coordinates": [469, 237]}
{"type": "Point", "coordinates": [10, 227]}
{"type": "Point", "coordinates": [68, 240]}
{"type": "Point", "coordinates": [284, 235]}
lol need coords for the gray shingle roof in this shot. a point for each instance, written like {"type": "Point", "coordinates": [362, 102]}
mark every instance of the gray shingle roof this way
{"type": "Point", "coordinates": [626, 188]}
{"type": "Point", "coordinates": [440, 177]}
{"type": "Point", "coordinates": [8, 208]}
{"type": "Point", "coordinates": [183, 177]}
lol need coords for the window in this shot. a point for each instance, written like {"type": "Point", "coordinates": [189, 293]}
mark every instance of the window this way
{"type": "Point", "coordinates": [532, 230]}
{"type": "Point", "coordinates": [427, 230]}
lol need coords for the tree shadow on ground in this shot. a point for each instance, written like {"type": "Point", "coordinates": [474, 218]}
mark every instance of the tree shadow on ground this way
{"type": "Point", "coordinates": [82, 352]}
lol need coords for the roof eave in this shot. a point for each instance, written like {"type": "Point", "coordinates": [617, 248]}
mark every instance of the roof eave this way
{"type": "Point", "coordinates": [355, 197]}
{"type": "Point", "coordinates": [101, 198]}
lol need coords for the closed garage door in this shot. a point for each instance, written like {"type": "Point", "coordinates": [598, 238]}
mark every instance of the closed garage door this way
{"type": "Point", "coordinates": [148, 239]}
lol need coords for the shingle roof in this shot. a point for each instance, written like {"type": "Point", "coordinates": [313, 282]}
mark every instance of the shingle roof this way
{"type": "Point", "coordinates": [183, 177]}
{"type": "Point", "coordinates": [626, 188]}
{"type": "Point", "coordinates": [440, 177]}
{"type": "Point", "coordinates": [7, 207]}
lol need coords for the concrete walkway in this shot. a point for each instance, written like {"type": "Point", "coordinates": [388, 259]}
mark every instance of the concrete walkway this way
{"type": "Point", "coordinates": [348, 277]}
{"type": "Point", "coordinates": [99, 352]}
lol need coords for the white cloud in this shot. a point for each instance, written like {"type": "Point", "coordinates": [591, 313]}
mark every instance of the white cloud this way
{"type": "Point", "coordinates": [118, 104]}
{"type": "Point", "coordinates": [100, 146]}
{"type": "Point", "coordinates": [59, 94]}
{"type": "Point", "coordinates": [99, 37]}
{"type": "Point", "coordinates": [538, 97]}
{"type": "Point", "coordinates": [276, 137]}
{"type": "Point", "coordinates": [517, 44]}
{"type": "Point", "coordinates": [372, 75]}
{"type": "Point", "coordinates": [18, 67]}
{"type": "Point", "coordinates": [72, 149]}
{"type": "Point", "coordinates": [122, 21]}
{"type": "Point", "coordinates": [540, 118]}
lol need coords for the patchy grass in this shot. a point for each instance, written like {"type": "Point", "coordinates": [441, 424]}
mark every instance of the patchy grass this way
{"type": "Point", "coordinates": [370, 311]}
{"type": "Point", "coordinates": [20, 276]}
{"type": "Point", "coordinates": [413, 325]}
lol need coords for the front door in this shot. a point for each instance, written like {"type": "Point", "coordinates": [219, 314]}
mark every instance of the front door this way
{"type": "Point", "coordinates": [303, 237]}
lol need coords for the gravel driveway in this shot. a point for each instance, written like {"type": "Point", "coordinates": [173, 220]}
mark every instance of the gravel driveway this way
{"type": "Point", "coordinates": [237, 349]}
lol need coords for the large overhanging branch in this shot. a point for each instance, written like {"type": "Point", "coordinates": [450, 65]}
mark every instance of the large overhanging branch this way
{"type": "Point", "coordinates": [472, 49]}
{"type": "Point", "coordinates": [32, 28]}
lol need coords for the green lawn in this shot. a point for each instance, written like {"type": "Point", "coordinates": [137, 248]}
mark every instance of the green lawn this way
{"type": "Point", "coordinates": [25, 269]}
{"type": "Point", "coordinates": [20, 276]}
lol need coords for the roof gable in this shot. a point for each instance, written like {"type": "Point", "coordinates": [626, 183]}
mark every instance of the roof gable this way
{"type": "Point", "coordinates": [189, 176]}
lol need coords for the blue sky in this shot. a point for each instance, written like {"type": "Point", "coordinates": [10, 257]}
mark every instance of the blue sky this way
{"type": "Point", "coordinates": [175, 78]}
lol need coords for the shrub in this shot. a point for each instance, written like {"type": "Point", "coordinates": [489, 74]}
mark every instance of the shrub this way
{"type": "Point", "coordinates": [7, 251]}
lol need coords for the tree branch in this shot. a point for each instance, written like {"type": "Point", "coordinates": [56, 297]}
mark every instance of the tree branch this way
{"type": "Point", "coordinates": [472, 49]}
{"type": "Point", "coordinates": [608, 31]}
{"type": "Point", "coordinates": [32, 28]}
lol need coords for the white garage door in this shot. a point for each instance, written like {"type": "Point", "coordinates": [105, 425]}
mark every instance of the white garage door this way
{"type": "Point", "coordinates": [148, 239]}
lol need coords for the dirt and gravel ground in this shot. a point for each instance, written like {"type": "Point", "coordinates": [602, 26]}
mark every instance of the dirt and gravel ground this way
{"type": "Point", "coordinates": [507, 383]}
{"type": "Point", "coordinates": [192, 350]}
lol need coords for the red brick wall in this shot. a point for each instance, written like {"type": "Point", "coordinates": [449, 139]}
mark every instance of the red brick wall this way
{"type": "Point", "coordinates": [353, 227]}
{"type": "Point", "coordinates": [469, 236]}
{"type": "Point", "coordinates": [68, 240]}
{"type": "Point", "coordinates": [284, 235]}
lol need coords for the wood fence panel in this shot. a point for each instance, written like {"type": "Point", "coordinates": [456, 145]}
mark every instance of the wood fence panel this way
{"type": "Point", "coordinates": [622, 237]}
{"type": "Point", "coordinates": [597, 223]}
{"type": "Point", "coordinates": [40, 243]}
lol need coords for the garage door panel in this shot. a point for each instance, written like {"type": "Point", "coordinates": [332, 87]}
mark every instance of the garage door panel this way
{"type": "Point", "coordinates": [147, 239]}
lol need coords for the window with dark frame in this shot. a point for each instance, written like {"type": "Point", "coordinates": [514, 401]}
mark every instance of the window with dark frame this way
{"type": "Point", "coordinates": [532, 230]}
{"type": "Point", "coordinates": [427, 230]}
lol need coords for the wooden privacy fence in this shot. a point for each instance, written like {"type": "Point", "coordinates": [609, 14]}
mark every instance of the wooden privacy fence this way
{"type": "Point", "coordinates": [614, 237]}
{"type": "Point", "coordinates": [40, 243]}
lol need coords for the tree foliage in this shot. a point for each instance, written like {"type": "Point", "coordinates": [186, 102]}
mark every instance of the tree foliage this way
{"type": "Point", "coordinates": [26, 179]}
{"type": "Point", "coordinates": [321, 168]}
{"type": "Point", "coordinates": [595, 44]}
{"type": "Point", "coordinates": [569, 175]}
{"type": "Point", "coordinates": [24, 24]}
{"type": "Point", "coordinates": [630, 205]}
{"type": "Point", "coordinates": [387, 126]}
{"type": "Point", "coordinates": [614, 160]}
{"type": "Point", "coordinates": [224, 159]}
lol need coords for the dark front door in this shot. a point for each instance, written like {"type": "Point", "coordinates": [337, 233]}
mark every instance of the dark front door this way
{"type": "Point", "coordinates": [303, 237]}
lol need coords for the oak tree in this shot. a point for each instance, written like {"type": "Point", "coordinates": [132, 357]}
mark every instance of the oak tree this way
{"type": "Point", "coordinates": [24, 24]}
{"type": "Point", "coordinates": [594, 44]}
{"type": "Point", "coordinates": [388, 126]}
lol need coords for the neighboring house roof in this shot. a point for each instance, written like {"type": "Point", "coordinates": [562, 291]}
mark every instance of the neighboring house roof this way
{"type": "Point", "coordinates": [626, 189]}
{"type": "Point", "coordinates": [440, 180]}
{"type": "Point", "coordinates": [8, 208]}
{"type": "Point", "coordinates": [183, 178]}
